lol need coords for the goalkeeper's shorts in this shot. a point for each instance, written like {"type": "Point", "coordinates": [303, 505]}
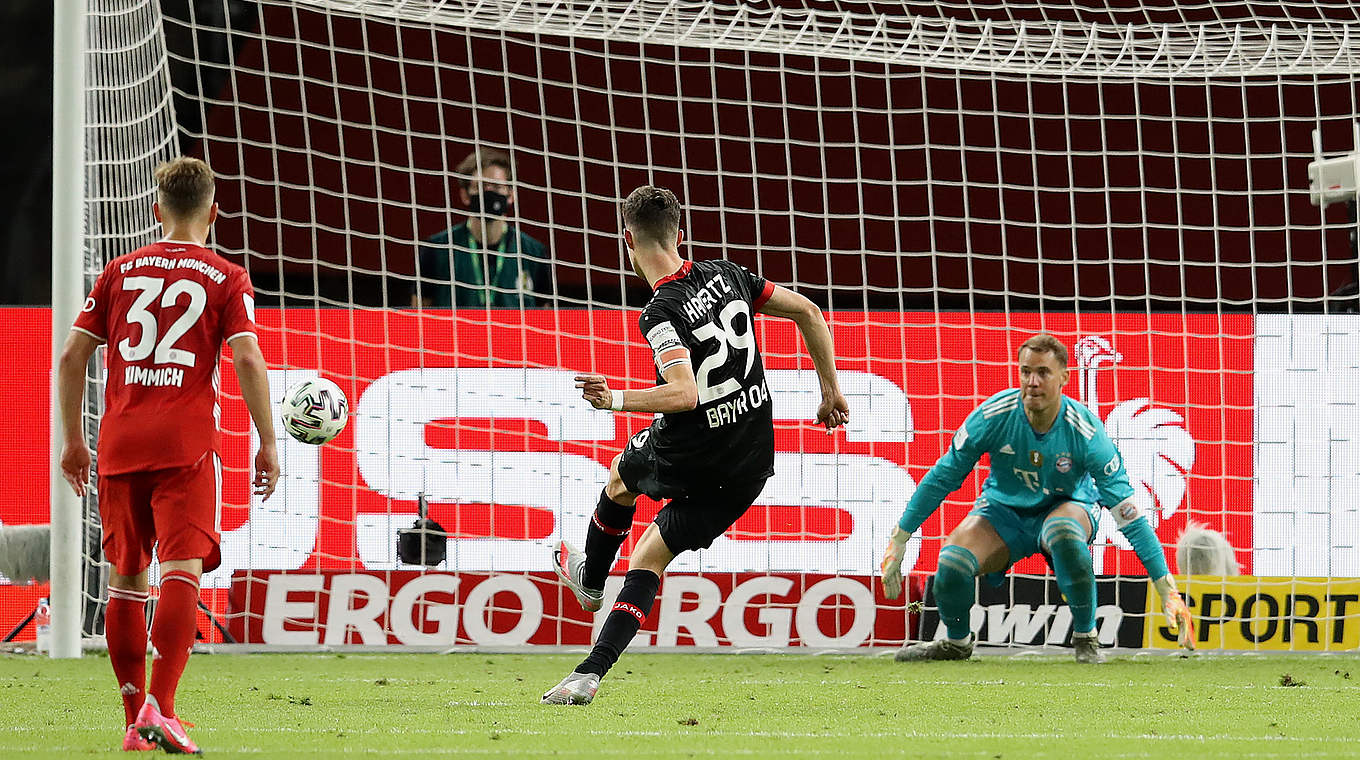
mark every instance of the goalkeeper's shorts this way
{"type": "Point", "coordinates": [1021, 530]}
{"type": "Point", "coordinates": [177, 511]}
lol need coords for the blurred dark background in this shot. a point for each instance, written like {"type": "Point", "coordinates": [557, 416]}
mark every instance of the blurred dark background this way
{"type": "Point", "coordinates": [1152, 198]}
{"type": "Point", "coordinates": [26, 161]}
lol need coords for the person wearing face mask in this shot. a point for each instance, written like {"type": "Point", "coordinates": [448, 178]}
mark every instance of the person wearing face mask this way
{"type": "Point", "coordinates": [486, 261]}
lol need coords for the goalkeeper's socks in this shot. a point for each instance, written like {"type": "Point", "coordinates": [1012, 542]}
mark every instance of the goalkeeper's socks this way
{"type": "Point", "coordinates": [955, 590]}
{"type": "Point", "coordinates": [125, 630]}
{"type": "Point", "coordinates": [608, 528]}
{"type": "Point", "coordinates": [172, 633]}
{"type": "Point", "coordinates": [631, 608]}
{"type": "Point", "coordinates": [1065, 540]}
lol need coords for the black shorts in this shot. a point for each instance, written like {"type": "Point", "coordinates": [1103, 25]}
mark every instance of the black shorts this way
{"type": "Point", "coordinates": [641, 472]}
{"type": "Point", "coordinates": [694, 521]}
{"type": "Point", "coordinates": [697, 512]}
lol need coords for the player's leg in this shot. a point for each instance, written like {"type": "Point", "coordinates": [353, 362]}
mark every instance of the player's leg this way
{"type": "Point", "coordinates": [609, 527]}
{"type": "Point", "coordinates": [173, 629]}
{"type": "Point", "coordinates": [125, 633]}
{"type": "Point", "coordinates": [185, 505]}
{"type": "Point", "coordinates": [1065, 534]}
{"type": "Point", "coordinates": [683, 524]}
{"type": "Point", "coordinates": [172, 634]}
{"type": "Point", "coordinates": [974, 548]}
{"type": "Point", "coordinates": [633, 604]}
{"type": "Point", "coordinates": [125, 514]}
{"type": "Point", "coordinates": [631, 607]}
{"type": "Point", "coordinates": [585, 572]}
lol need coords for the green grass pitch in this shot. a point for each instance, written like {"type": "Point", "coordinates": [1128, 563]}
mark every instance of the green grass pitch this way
{"type": "Point", "coordinates": [681, 706]}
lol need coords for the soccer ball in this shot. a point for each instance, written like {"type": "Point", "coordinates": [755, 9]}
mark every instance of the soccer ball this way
{"type": "Point", "coordinates": [314, 411]}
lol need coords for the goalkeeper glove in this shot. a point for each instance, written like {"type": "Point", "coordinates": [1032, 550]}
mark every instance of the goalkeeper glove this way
{"type": "Point", "coordinates": [891, 566]}
{"type": "Point", "coordinates": [1178, 617]}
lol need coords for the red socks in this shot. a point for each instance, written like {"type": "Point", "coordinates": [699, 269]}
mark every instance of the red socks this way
{"type": "Point", "coordinates": [172, 633]}
{"type": "Point", "coordinates": [125, 631]}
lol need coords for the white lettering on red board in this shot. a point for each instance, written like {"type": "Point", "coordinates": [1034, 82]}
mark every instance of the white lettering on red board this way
{"type": "Point", "coordinates": [394, 460]}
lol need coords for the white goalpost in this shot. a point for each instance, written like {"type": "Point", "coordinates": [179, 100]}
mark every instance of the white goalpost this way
{"type": "Point", "coordinates": [68, 292]}
{"type": "Point", "coordinates": [943, 181]}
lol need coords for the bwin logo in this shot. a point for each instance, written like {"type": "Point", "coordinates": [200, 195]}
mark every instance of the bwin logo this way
{"type": "Point", "coordinates": [1035, 625]}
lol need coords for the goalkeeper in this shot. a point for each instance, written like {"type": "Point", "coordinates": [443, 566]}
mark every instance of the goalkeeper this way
{"type": "Point", "coordinates": [1051, 461]}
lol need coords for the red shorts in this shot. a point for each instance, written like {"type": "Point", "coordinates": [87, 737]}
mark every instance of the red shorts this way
{"type": "Point", "coordinates": [175, 510]}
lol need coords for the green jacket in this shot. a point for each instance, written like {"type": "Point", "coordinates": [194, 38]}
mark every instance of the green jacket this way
{"type": "Point", "coordinates": [512, 274]}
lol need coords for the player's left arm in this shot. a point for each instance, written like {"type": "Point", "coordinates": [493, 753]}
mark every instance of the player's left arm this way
{"type": "Point", "coordinates": [1112, 480]}
{"type": "Point", "coordinates": [782, 302]}
{"type": "Point", "coordinates": [238, 325]}
{"type": "Point", "coordinates": [75, 452]}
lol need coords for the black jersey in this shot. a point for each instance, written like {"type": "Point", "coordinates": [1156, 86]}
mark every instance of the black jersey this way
{"type": "Point", "coordinates": [708, 307]}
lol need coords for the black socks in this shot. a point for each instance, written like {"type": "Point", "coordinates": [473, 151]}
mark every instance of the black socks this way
{"type": "Point", "coordinates": [609, 526]}
{"type": "Point", "coordinates": [631, 608]}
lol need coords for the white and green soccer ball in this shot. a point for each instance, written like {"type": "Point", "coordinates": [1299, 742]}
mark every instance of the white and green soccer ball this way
{"type": "Point", "coordinates": [314, 411]}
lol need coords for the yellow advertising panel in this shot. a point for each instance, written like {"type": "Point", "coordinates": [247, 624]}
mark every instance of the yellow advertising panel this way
{"type": "Point", "coordinates": [1246, 612]}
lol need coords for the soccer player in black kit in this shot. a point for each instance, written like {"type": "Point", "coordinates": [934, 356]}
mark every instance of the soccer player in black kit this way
{"type": "Point", "coordinates": [710, 450]}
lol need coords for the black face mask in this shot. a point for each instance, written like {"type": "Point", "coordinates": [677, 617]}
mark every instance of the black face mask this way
{"type": "Point", "coordinates": [489, 203]}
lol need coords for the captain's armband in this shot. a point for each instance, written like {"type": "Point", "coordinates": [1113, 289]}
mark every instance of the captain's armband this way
{"type": "Point", "coordinates": [1124, 513]}
{"type": "Point", "coordinates": [667, 348]}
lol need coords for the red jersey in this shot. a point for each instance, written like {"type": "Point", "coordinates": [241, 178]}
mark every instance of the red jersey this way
{"type": "Point", "coordinates": [164, 312]}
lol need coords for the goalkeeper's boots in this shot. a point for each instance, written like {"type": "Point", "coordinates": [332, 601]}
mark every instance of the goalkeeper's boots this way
{"type": "Point", "coordinates": [165, 732]}
{"type": "Point", "coordinates": [570, 563]}
{"type": "Point", "coordinates": [1086, 647]}
{"type": "Point", "coordinates": [133, 741]}
{"type": "Point", "coordinates": [942, 649]}
{"type": "Point", "coordinates": [575, 689]}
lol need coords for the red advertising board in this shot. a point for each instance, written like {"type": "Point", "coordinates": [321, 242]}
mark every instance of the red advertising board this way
{"type": "Point", "coordinates": [744, 610]}
{"type": "Point", "coordinates": [476, 409]}
{"type": "Point", "coordinates": [1192, 373]}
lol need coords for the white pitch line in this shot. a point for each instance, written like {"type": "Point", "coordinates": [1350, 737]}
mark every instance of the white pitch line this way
{"type": "Point", "coordinates": [865, 682]}
{"type": "Point", "coordinates": [1017, 682]}
{"type": "Point", "coordinates": [838, 735]}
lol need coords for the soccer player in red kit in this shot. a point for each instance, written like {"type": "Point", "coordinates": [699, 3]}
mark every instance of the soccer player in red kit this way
{"type": "Point", "coordinates": [164, 311]}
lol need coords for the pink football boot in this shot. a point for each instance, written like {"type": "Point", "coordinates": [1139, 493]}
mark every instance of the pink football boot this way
{"type": "Point", "coordinates": [133, 741]}
{"type": "Point", "coordinates": [166, 733]}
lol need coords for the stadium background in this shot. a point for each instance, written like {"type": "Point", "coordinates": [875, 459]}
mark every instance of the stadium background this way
{"type": "Point", "coordinates": [1205, 234]}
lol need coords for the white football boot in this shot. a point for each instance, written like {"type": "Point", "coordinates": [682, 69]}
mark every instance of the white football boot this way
{"type": "Point", "coordinates": [570, 562]}
{"type": "Point", "coordinates": [575, 689]}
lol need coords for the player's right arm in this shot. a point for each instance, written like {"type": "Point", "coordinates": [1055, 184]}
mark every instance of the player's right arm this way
{"type": "Point", "coordinates": [943, 479]}
{"type": "Point", "coordinates": [75, 452]}
{"type": "Point", "coordinates": [782, 302]}
{"type": "Point", "coordinates": [89, 331]}
{"type": "Point", "coordinates": [948, 473]}
{"type": "Point", "coordinates": [251, 373]}
{"type": "Point", "coordinates": [680, 392]}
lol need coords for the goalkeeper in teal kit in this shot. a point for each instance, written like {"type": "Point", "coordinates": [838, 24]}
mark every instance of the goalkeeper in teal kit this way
{"type": "Point", "coordinates": [1051, 464]}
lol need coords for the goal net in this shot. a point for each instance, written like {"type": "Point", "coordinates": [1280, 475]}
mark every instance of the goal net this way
{"type": "Point", "coordinates": [944, 180]}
